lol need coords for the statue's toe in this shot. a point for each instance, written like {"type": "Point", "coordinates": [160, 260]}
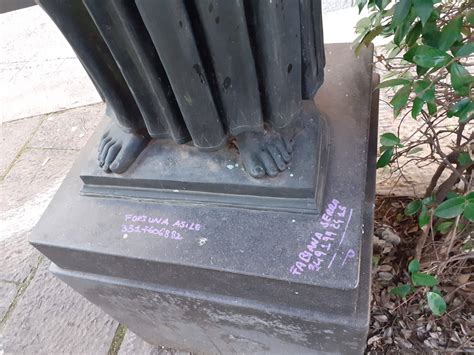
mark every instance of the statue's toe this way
{"type": "Point", "coordinates": [262, 153]}
{"type": "Point", "coordinates": [288, 144]}
{"type": "Point", "coordinates": [122, 161]}
{"type": "Point", "coordinates": [130, 149]}
{"type": "Point", "coordinates": [269, 164]}
{"type": "Point", "coordinates": [104, 139]}
{"type": "Point", "coordinates": [111, 155]}
{"type": "Point", "coordinates": [277, 157]}
{"type": "Point", "coordinates": [115, 167]}
{"type": "Point", "coordinates": [259, 171]}
{"type": "Point", "coordinates": [253, 166]}
{"type": "Point", "coordinates": [104, 151]}
{"type": "Point", "coordinates": [118, 149]}
{"type": "Point", "coordinates": [284, 149]}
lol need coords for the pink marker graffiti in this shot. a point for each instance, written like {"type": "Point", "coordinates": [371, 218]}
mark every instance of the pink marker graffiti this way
{"type": "Point", "coordinates": [334, 223]}
{"type": "Point", "coordinates": [157, 226]}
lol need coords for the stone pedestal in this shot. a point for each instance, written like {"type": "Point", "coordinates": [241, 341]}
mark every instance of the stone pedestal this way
{"type": "Point", "coordinates": [208, 277]}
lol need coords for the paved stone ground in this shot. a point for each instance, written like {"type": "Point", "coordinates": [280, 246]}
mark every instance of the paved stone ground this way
{"type": "Point", "coordinates": [39, 72]}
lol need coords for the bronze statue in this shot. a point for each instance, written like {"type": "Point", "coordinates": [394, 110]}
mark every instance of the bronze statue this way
{"type": "Point", "coordinates": [214, 72]}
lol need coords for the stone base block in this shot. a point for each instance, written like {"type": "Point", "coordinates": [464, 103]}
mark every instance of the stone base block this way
{"type": "Point", "coordinates": [211, 278]}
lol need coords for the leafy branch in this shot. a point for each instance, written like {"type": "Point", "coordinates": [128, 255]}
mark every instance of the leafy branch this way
{"type": "Point", "coordinates": [427, 63]}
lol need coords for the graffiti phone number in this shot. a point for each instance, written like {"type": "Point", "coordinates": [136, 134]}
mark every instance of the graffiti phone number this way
{"type": "Point", "coordinates": [161, 232]}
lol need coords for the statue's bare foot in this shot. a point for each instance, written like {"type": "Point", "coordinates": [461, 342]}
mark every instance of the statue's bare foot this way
{"type": "Point", "coordinates": [263, 153]}
{"type": "Point", "coordinates": [119, 149]}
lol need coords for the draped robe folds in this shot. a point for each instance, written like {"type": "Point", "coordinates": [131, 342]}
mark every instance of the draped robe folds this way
{"type": "Point", "coordinates": [194, 69]}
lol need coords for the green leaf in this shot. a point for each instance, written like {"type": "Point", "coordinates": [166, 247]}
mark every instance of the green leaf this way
{"type": "Point", "coordinates": [414, 266]}
{"type": "Point", "coordinates": [422, 279]}
{"type": "Point", "coordinates": [429, 57]}
{"type": "Point", "coordinates": [424, 217]}
{"type": "Point", "coordinates": [456, 46]}
{"type": "Point", "coordinates": [465, 51]}
{"type": "Point", "coordinates": [450, 208]}
{"type": "Point", "coordinates": [470, 197]}
{"type": "Point", "coordinates": [414, 33]}
{"type": "Point", "coordinates": [458, 107]}
{"type": "Point", "coordinates": [427, 201]}
{"type": "Point", "coordinates": [389, 140]}
{"type": "Point", "coordinates": [468, 246]}
{"type": "Point", "coordinates": [431, 33]}
{"type": "Point", "coordinates": [436, 303]}
{"type": "Point", "coordinates": [363, 25]}
{"type": "Point", "coordinates": [402, 9]}
{"type": "Point", "coordinates": [393, 82]}
{"type": "Point", "coordinates": [420, 71]}
{"type": "Point", "coordinates": [444, 227]}
{"type": "Point", "coordinates": [464, 159]}
{"type": "Point", "coordinates": [382, 4]}
{"type": "Point", "coordinates": [402, 30]}
{"type": "Point", "coordinates": [361, 4]}
{"type": "Point", "coordinates": [408, 56]}
{"type": "Point", "coordinates": [368, 38]}
{"type": "Point", "coordinates": [394, 52]}
{"type": "Point", "coordinates": [401, 291]}
{"type": "Point", "coordinates": [467, 113]}
{"type": "Point", "coordinates": [401, 98]}
{"type": "Point", "coordinates": [432, 108]}
{"type": "Point", "coordinates": [470, 18]}
{"type": "Point", "coordinates": [460, 79]}
{"type": "Point", "coordinates": [469, 210]}
{"type": "Point", "coordinates": [383, 149]}
{"type": "Point", "coordinates": [423, 9]}
{"type": "Point", "coordinates": [450, 34]}
{"type": "Point", "coordinates": [417, 107]}
{"type": "Point", "coordinates": [425, 90]}
{"type": "Point", "coordinates": [451, 194]}
{"type": "Point", "coordinates": [413, 207]}
{"type": "Point", "coordinates": [385, 158]}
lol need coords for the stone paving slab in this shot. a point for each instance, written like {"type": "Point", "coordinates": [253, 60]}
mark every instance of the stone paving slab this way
{"type": "Point", "coordinates": [11, 5]}
{"type": "Point", "coordinates": [8, 292]}
{"type": "Point", "coordinates": [51, 318]}
{"type": "Point", "coordinates": [68, 129]}
{"type": "Point", "coordinates": [132, 345]}
{"type": "Point", "coordinates": [35, 171]}
{"type": "Point", "coordinates": [333, 5]}
{"type": "Point", "coordinates": [45, 316]}
{"type": "Point", "coordinates": [18, 258]}
{"type": "Point", "coordinates": [39, 72]}
{"type": "Point", "coordinates": [13, 137]}
{"type": "Point", "coordinates": [31, 182]}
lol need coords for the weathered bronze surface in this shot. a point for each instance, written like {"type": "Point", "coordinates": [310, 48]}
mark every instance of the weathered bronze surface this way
{"type": "Point", "coordinates": [210, 72]}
